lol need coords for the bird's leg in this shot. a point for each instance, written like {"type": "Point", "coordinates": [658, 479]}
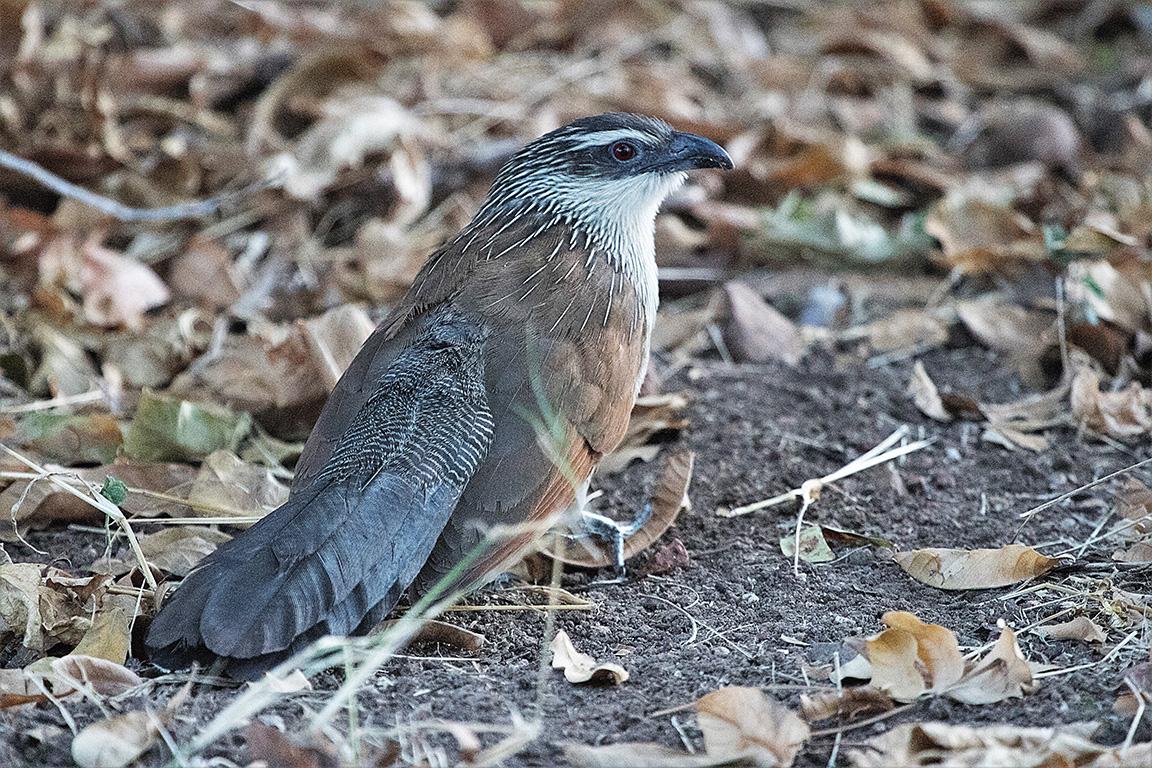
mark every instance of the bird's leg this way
{"type": "Point", "coordinates": [616, 533]}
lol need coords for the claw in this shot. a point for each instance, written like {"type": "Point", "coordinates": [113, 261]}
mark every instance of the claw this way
{"type": "Point", "coordinates": [616, 533]}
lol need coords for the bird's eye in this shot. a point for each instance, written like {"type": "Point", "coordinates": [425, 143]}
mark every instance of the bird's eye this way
{"type": "Point", "coordinates": [623, 151]}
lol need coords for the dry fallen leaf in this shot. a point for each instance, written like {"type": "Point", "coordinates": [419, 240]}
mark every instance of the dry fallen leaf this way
{"type": "Point", "coordinates": [117, 289]}
{"type": "Point", "coordinates": [845, 704]}
{"type": "Point", "coordinates": [745, 723]}
{"type": "Point", "coordinates": [105, 677]}
{"type": "Point", "coordinates": [755, 331]}
{"type": "Point", "coordinates": [910, 658]}
{"type": "Point", "coordinates": [441, 632]}
{"type": "Point", "coordinates": [109, 637]}
{"type": "Point", "coordinates": [580, 667]}
{"type": "Point", "coordinates": [273, 747]}
{"type": "Point", "coordinates": [115, 742]}
{"type": "Point", "coordinates": [1124, 415]}
{"type": "Point", "coordinates": [925, 394]}
{"type": "Point", "coordinates": [1003, 674]}
{"type": "Point", "coordinates": [1079, 628]}
{"type": "Point", "coordinates": [975, 568]}
{"type": "Point", "coordinates": [946, 745]}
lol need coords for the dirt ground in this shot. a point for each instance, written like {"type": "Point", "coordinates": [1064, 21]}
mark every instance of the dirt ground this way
{"type": "Point", "coordinates": [736, 614]}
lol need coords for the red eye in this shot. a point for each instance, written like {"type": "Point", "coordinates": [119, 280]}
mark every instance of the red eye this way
{"type": "Point", "coordinates": [623, 151]}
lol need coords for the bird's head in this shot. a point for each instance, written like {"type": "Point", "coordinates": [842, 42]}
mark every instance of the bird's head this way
{"type": "Point", "coordinates": [614, 168]}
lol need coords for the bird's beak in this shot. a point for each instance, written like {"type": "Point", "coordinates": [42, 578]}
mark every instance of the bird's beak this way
{"type": "Point", "coordinates": [687, 152]}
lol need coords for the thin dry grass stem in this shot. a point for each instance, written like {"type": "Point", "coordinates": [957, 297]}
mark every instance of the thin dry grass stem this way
{"type": "Point", "coordinates": [238, 520]}
{"type": "Point", "coordinates": [1027, 516]}
{"type": "Point", "coordinates": [811, 489]}
{"type": "Point", "coordinates": [518, 608]}
{"type": "Point", "coordinates": [1099, 663]}
{"type": "Point", "coordinates": [1141, 706]}
{"type": "Point", "coordinates": [63, 401]}
{"type": "Point", "coordinates": [94, 499]}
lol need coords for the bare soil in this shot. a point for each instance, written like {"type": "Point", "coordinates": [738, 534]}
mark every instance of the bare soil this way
{"type": "Point", "coordinates": [737, 614]}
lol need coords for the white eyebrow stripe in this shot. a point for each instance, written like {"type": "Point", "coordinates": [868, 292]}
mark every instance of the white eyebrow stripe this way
{"type": "Point", "coordinates": [602, 138]}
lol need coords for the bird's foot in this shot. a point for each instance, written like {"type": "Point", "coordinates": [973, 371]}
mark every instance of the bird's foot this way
{"type": "Point", "coordinates": [615, 533]}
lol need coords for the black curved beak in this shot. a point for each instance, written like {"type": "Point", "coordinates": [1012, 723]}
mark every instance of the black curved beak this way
{"type": "Point", "coordinates": [688, 152]}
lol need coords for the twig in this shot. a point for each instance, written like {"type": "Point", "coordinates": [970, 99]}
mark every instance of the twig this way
{"type": "Point", "coordinates": [94, 499]}
{"type": "Point", "coordinates": [196, 209]}
{"type": "Point", "coordinates": [881, 454]}
{"type": "Point", "coordinates": [92, 396]}
{"type": "Point", "coordinates": [1140, 707]}
{"type": "Point", "coordinates": [1027, 516]}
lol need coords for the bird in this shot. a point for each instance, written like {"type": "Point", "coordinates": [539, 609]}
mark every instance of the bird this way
{"type": "Point", "coordinates": [471, 418]}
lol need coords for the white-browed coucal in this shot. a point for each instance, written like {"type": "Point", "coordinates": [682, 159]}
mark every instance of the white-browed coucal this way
{"type": "Point", "coordinates": [482, 402]}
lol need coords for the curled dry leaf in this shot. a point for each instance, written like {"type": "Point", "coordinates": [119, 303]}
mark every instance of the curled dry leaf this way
{"type": "Point", "coordinates": [118, 290]}
{"type": "Point", "coordinates": [1003, 674]}
{"type": "Point", "coordinates": [115, 742]}
{"type": "Point", "coordinates": [755, 331]}
{"type": "Point", "coordinates": [1079, 628]}
{"type": "Point", "coordinates": [638, 755]}
{"type": "Point", "coordinates": [441, 632]}
{"type": "Point", "coordinates": [925, 394]}
{"type": "Point", "coordinates": [580, 667]}
{"type": "Point", "coordinates": [273, 747]}
{"type": "Point", "coordinates": [845, 704]}
{"type": "Point", "coordinates": [1124, 415]}
{"type": "Point", "coordinates": [944, 744]}
{"type": "Point", "coordinates": [909, 659]}
{"type": "Point", "coordinates": [745, 723]}
{"type": "Point", "coordinates": [975, 568]}
{"type": "Point", "coordinates": [105, 677]}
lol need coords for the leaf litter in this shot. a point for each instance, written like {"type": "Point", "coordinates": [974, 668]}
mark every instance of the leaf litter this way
{"type": "Point", "coordinates": [161, 360]}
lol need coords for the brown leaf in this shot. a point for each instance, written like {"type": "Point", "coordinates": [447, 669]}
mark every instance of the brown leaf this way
{"type": "Point", "coordinates": [1125, 415]}
{"type": "Point", "coordinates": [638, 755]}
{"type": "Point", "coordinates": [115, 742]}
{"type": "Point", "coordinates": [937, 652]}
{"type": "Point", "coordinates": [903, 329]}
{"type": "Point", "coordinates": [925, 394]}
{"type": "Point", "coordinates": [1004, 327]}
{"type": "Point", "coordinates": [109, 637]}
{"type": "Point", "coordinates": [580, 667]}
{"type": "Point", "coordinates": [203, 272]}
{"type": "Point", "coordinates": [276, 748]}
{"type": "Point", "coordinates": [944, 744]}
{"type": "Point", "coordinates": [227, 485]}
{"type": "Point", "coordinates": [756, 332]}
{"type": "Point", "coordinates": [105, 677]}
{"type": "Point", "coordinates": [979, 237]}
{"type": "Point", "coordinates": [845, 704]}
{"type": "Point", "coordinates": [975, 568]}
{"type": "Point", "coordinates": [118, 290]}
{"type": "Point", "coordinates": [1002, 674]}
{"type": "Point", "coordinates": [440, 632]}
{"type": "Point", "coordinates": [1079, 628]}
{"type": "Point", "coordinates": [334, 339]}
{"type": "Point", "coordinates": [745, 723]}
